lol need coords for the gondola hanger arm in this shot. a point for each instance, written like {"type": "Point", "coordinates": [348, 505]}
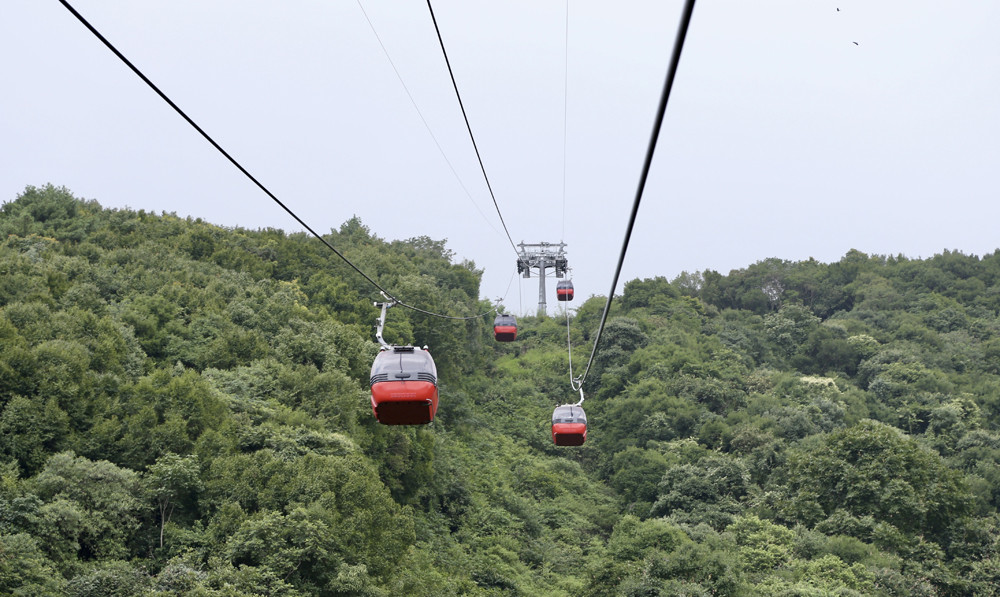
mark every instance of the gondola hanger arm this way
{"type": "Point", "coordinates": [380, 326]}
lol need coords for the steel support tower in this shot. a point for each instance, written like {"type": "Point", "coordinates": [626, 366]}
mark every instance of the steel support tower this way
{"type": "Point", "coordinates": [541, 256]}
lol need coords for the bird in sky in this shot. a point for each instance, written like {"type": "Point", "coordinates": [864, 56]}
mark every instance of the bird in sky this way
{"type": "Point", "coordinates": [854, 42]}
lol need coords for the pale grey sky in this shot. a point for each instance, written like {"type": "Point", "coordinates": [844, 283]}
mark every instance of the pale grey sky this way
{"type": "Point", "coordinates": [783, 137]}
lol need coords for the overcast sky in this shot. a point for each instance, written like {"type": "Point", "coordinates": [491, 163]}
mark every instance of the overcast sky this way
{"type": "Point", "coordinates": [794, 130]}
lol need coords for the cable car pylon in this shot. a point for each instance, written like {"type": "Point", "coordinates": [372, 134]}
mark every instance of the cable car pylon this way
{"type": "Point", "coordinates": [542, 256]}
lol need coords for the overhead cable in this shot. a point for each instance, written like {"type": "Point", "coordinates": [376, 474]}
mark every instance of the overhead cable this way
{"type": "Point", "coordinates": [650, 150]}
{"type": "Point", "coordinates": [565, 120]}
{"type": "Point", "coordinates": [246, 173]}
{"type": "Point", "coordinates": [468, 126]}
{"type": "Point", "coordinates": [421, 115]}
{"type": "Point", "coordinates": [569, 350]}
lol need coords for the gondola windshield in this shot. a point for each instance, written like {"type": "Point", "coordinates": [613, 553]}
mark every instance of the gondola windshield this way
{"type": "Point", "coordinates": [404, 363]}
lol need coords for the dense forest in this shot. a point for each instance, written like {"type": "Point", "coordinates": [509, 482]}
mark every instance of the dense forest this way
{"type": "Point", "coordinates": [184, 410]}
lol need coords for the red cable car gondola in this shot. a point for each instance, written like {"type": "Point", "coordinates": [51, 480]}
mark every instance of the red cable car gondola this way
{"type": "Point", "coordinates": [404, 386]}
{"type": "Point", "coordinates": [564, 290]}
{"type": "Point", "coordinates": [505, 328]}
{"type": "Point", "coordinates": [569, 425]}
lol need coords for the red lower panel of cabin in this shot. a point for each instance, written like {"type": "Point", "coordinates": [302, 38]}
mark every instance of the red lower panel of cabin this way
{"type": "Point", "coordinates": [505, 333]}
{"type": "Point", "coordinates": [569, 434]}
{"type": "Point", "coordinates": [404, 402]}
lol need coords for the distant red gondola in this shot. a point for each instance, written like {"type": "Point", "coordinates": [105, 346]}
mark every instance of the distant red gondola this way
{"type": "Point", "coordinates": [505, 328]}
{"type": "Point", "coordinates": [564, 290]}
{"type": "Point", "coordinates": [404, 386]}
{"type": "Point", "coordinates": [569, 425]}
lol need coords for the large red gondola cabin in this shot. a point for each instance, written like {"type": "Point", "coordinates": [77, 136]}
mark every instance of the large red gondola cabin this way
{"type": "Point", "coordinates": [569, 425]}
{"type": "Point", "coordinates": [564, 290]}
{"type": "Point", "coordinates": [505, 328]}
{"type": "Point", "coordinates": [404, 386]}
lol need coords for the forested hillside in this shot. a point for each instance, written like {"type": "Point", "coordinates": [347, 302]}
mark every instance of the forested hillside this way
{"type": "Point", "coordinates": [184, 410]}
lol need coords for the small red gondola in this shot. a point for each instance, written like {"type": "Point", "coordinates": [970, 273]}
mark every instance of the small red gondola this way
{"type": "Point", "coordinates": [569, 425]}
{"type": "Point", "coordinates": [564, 290]}
{"type": "Point", "coordinates": [404, 386]}
{"type": "Point", "coordinates": [505, 328]}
